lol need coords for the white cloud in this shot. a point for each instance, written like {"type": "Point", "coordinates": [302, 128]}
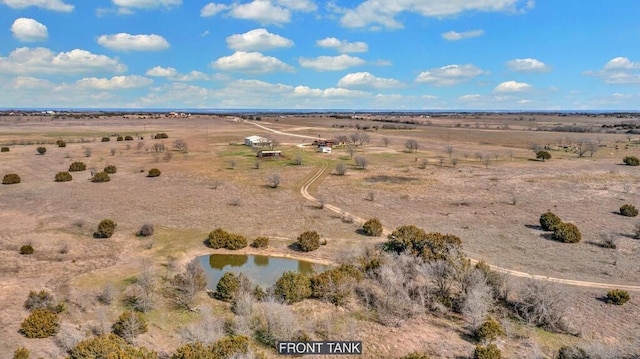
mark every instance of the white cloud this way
{"type": "Point", "coordinates": [114, 83]}
{"type": "Point", "coordinates": [173, 75]}
{"type": "Point", "coordinates": [128, 42]}
{"type": "Point", "coordinates": [343, 46]}
{"type": "Point", "coordinates": [621, 63]}
{"type": "Point", "coordinates": [455, 36]}
{"type": "Point", "coordinates": [384, 12]}
{"type": "Point", "coordinates": [146, 4]}
{"type": "Point", "coordinates": [299, 5]}
{"type": "Point", "coordinates": [28, 82]}
{"type": "Point", "coordinates": [512, 86]}
{"type": "Point", "coordinates": [331, 63]}
{"type": "Point", "coordinates": [367, 80]}
{"type": "Point", "coordinates": [470, 98]}
{"type": "Point", "coordinates": [619, 71]}
{"type": "Point", "coordinates": [528, 65]}
{"type": "Point", "coordinates": [29, 30]}
{"type": "Point", "coordinates": [250, 62]}
{"type": "Point", "coordinates": [450, 75]}
{"type": "Point", "coordinates": [262, 11]}
{"type": "Point", "coordinates": [306, 91]}
{"type": "Point", "coordinates": [55, 5]}
{"type": "Point", "coordinates": [257, 40]}
{"type": "Point", "coordinates": [213, 9]}
{"type": "Point", "coordinates": [41, 60]}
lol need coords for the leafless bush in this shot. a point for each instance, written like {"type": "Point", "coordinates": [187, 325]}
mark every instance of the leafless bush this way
{"type": "Point", "coordinates": [297, 160]}
{"type": "Point", "coordinates": [477, 299]}
{"type": "Point", "coordinates": [140, 146]}
{"type": "Point", "coordinates": [256, 165]}
{"type": "Point", "coordinates": [275, 321]}
{"type": "Point", "coordinates": [232, 164]}
{"type": "Point", "coordinates": [347, 218]}
{"type": "Point", "coordinates": [423, 163]}
{"type": "Point", "coordinates": [235, 202]}
{"type": "Point", "coordinates": [141, 295]}
{"type": "Point", "coordinates": [274, 180]}
{"type": "Point", "coordinates": [168, 156]}
{"type": "Point", "coordinates": [180, 145]}
{"type": "Point", "coordinates": [64, 249]}
{"type": "Point", "coordinates": [215, 184]}
{"type": "Point", "coordinates": [412, 145]}
{"type": "Point", "coordinates": [186, 285]}
{"type": "Point", "coordinates": [107, 294]}
{"type": "Point", "coordinates": [386, 141]}
{"type": "Point", "coordinates": [243, 304]}
{"type": "Point", "coordinates": [361, 162]}
{"type": "Point", "coordinates": [146, 230]}
{"type": "Point", "coordinates": [454, 161]}
{"type": "Point", "coordinates": [608, 241]}
{"type": "Point", "coordinates": [370, 196]}
{"type": "Point", "coordinates": [158, 148]}
{"type": "Point", "coordinates": [543, 304]}
{"type": "Point", "coordinates": [113, 151]}
{"type": "Point", "coordinates": [68, 337]}
{"type": "Point", "coordinates": [448, 149]}
{"type": "Point", "coordinates": [341, 169]}
{"type": "Point", "coordinates": [207, 331]}
{"type": "Point", "coordinates": [87, 152]}
{"type": "Point", "coordinates": [351, 150]}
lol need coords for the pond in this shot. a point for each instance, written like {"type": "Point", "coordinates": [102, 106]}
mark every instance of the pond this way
{"type": "Point", "coordinates": [262, 270]}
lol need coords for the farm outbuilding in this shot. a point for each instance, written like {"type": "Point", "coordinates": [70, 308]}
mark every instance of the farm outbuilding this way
{"type": "Point", "coordinates": [254, 141]}
{"type": "Point", "coordinates": [263, 153]}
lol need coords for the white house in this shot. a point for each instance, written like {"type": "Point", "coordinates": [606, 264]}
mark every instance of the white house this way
{"type": "Point", "coordinates": [324, 149]}
{"type": "Point", "coordinates": [253, 141]}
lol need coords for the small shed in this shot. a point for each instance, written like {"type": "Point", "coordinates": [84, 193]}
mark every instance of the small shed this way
{"type": "Point", "coordinates": [324, 149]}
{"type": "Point", "coordinates": [263, 153]}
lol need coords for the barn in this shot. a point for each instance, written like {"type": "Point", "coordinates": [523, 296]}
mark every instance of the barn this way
{"type": "Point", "coordinates": [254, 141]}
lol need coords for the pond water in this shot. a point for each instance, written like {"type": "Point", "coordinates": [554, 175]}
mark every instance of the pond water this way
{"type": "Point", "coordinates": [262, 270]}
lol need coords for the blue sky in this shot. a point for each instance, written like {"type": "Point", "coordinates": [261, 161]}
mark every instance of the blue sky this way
{"type": "Point", "coordinates": [312, 54]}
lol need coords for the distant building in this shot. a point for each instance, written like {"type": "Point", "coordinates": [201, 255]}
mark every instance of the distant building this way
{"type": "Point", "coordinates": [323, 143]}
{"type": "Point", "coordinates": [324, 149]}
{"type": "Point", "coordinates": [263, 153]}
{"type": "Point", "coordinates": [255, 141]}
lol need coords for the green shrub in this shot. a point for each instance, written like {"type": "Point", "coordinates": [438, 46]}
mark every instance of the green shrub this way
{"type": "Point", "coordinates": [128, 138]}
{"type": "Point", "coordinates": [110, 346]}
{"type": "Point", "coordinates": [129, 324]}
{"type": "Point", "coordinates": [110, 169]}
{"type": "Point", "coordinates": [154, 172]}
{"type": "Point", "coordinates": [567, 233]}
{"type": "Point", "coordinates": [63, 177]}
{"type": "Point", "coordinates": [429, 246]}
{"type": "Point", "coordinates": [11, 178]}
{"type": "Point", "coordinates": [372, 227]}
{"type": "Point", "coordinates": [631, 161]}
{"type": "Point", "coordinates": [41, 323]}
{"type": "Point", "coordinates": [21, 353]}
{"type": "Point", "coordinates": [309, 241]}
{"type": "Point", "coordinates": [105, 229]}
{"type": "Point", "coordinates": [100, 177]}
{"type": "Point", "coordinates": [293, 287]}
{"type": "Point", "coordinates": [572, 352]}
{"type": "Point", "coordinates": [489, 331]}
{"type": "Point", "coordinates": [549, 221]}
{"type": "Point", "coordinates": [230, 346]}
{"type": "Point", "coordinates": [77, 166]}
{"type": "Point", "coordinates": [416, 355]}
{"type": "Point", "coordinates": [618, 297]}
{"type": "Point", "coordinates": [628, 210]}
{"type": "Point", "coordinates": [260, 242]}
{"type": "Point", "coordinates": [105, 139]}
{"type": "Point", "coordinates": [335, 285]}
{"type": "Point", "coordinates": [219, 238]}
{"type": "Point", "coordinates": [4, 149]}
{"type": "Point", "coordinates": [159, 136]}
{"type": "Point", "coordinates": [61, 143]}
{"type": "Point", "coordinates": [41, 150]}
{"type": "Point", "coordinates": [195, 350]}
{"type": "Point", "coordinates": [120, 138]}
{"type": "Point", "coordinates": [227, 287]}
{"type": "Point", "coordinates": [146, 230]}
{"type": "Point", "coordinates": [26, 249]}
{"type": "Point", "coordinates": [543, 155]}
{"type": "Point", "coordinates": [490, 351]}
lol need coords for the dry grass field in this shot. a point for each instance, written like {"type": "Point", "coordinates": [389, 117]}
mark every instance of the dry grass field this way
{"type": "Point", "coordinates": [474, 176]}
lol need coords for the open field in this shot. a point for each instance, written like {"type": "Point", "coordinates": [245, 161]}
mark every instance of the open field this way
{"type": "Point", "coordinates": [473, 176]}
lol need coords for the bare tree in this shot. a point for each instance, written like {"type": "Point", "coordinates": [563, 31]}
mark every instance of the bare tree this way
{"type": "Point", "coordinates": [113, 151]}
{"type": "Point", "coordinates": [543, 304]}
{"type": "Point", "coordinates": [275, 321]}
{"type": "Point", "coordinates": [423, 163]}
{"type": "Point", "coordinates": [207, 331]}
{"type": "Point", "coordinates": [297, 160]}
{"type": "Point", "coordinates": [341, 169]}
{"type": "Point", "coordinates": [582, 147]}
{"type": "Point", "coordinates": [441, 161]}
{"type": "Point", "coordinates": [107, 294]}
{"type": "Point", "coordinates": [68, 337]}
{"type": "Point", "coordinates": [477, 300]}
{"type": "Point", "coordinates": [448, 149]}
{"type": "Point", "coordinates": [256, 165]}
{"type": "Point", "coordinates": [180, 145]}
{"type": "Point", "coordinates": [411, 145]}
{"type": "Point", "coordinates": [591, 147]}
{"type": "Point", "coordinates": [386, 141]}
{"type": "Point", "coordinates": [87, 152]}
{"type": "Point", "coordinates": [363, 138]}
{"type": "Point", "coordinates": [187, 284]}
{"type": "Point", "coordinates": [485, 159]}
{"type": "Point", "coordinates": [361, 162]}
{"type": "Point", "coordinates": [352, 151]}
{"type": "Point", "coordinates": [354, 137]}
{"type": "Point", "coordinates": [454, 162]}
{"type": "Point", "coordinates": [274, 180]}
{"type": "Point", "coordinates": [232, 164]}
{"type": "Point", "coordinates": [141, 295]}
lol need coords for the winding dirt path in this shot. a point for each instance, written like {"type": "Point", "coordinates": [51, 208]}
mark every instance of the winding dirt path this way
{"type": "Point", "coordinates": [304, 191]}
